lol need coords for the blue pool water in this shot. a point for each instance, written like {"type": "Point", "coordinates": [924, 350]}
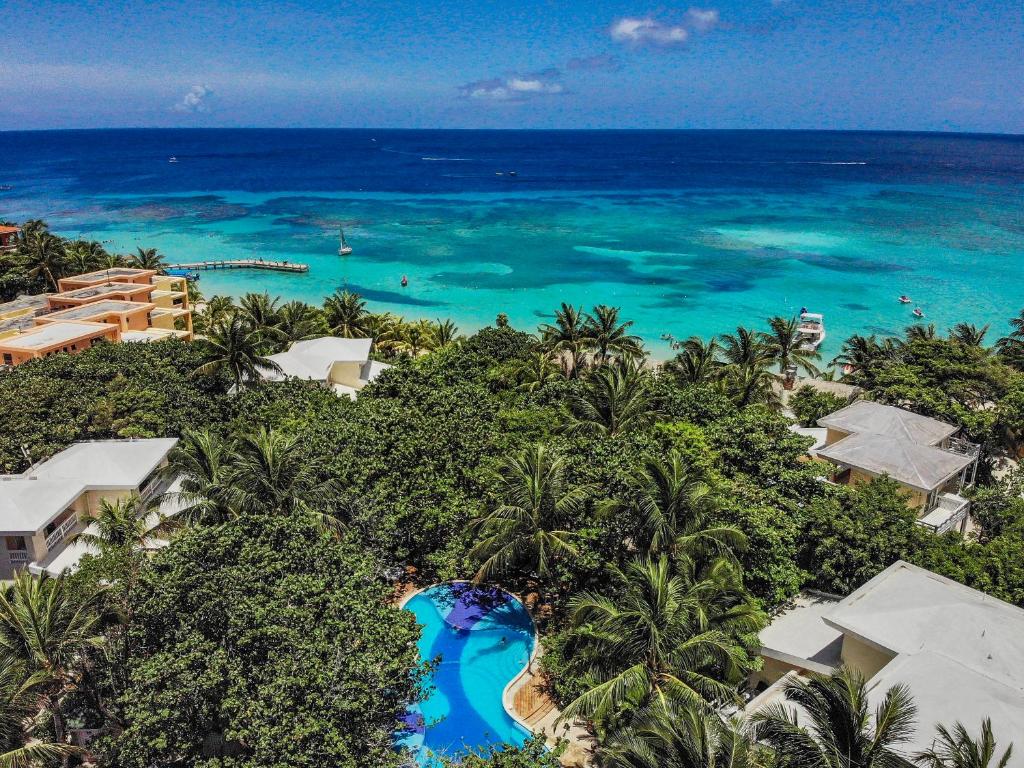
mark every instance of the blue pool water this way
{"type": "Point", "coordinates": [484, 638]}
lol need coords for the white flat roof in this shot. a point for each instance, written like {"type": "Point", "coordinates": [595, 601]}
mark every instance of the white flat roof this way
{"type": "Point", "coordinates": [798, 635]}
{"type": "Point", "coordinates": [30, 500]}
{"type": "Point", "coordinates": [877, 419]}
{"type": "Point", "coordinates": [48, 334]}
{"type": "Point", "coordinates": [313, 359]}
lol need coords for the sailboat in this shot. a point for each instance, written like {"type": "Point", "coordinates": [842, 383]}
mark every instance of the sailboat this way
{"type": "Point", "coordinates": [344, 249]}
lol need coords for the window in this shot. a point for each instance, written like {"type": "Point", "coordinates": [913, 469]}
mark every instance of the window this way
{"type": "Point", "coordinates": [15, 543]}
{"type": "Point", "coordinates": [8, 360]}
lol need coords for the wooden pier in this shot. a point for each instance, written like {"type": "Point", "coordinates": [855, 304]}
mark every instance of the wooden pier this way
{"type": "Point", "coordinates": [277, 266]}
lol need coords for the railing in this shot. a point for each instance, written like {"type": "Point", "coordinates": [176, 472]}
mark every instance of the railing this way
{"type": "Point", "coordinates": [964, 447]}
{"type": "Point", "coordinates": [58, 535]}
{"type": "Point", "coordinates": [17, 558]}
{"type": "Point", "coordinates": [957, 506]}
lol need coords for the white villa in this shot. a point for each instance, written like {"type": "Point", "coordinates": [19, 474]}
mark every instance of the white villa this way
{"type": "Point", "coordinates": [42, 509]}
{"type": "Point", "coordinates": [958, 650]}
{"type": "Point", "coordinates": [342, 365]}
{"type": "Point", "coordinates": [867, 440]}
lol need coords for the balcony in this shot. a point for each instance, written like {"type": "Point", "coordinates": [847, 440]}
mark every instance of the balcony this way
{"type": "Point", "coordinates": [949, 513]}
{"type": "Point", "coordinates": [18, 558]}
{"type": "Point", "coordinates": [60, 533]}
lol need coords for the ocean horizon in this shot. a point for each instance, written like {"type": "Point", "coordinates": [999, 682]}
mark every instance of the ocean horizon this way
{"type": "Point", "coordinates": [688, 231]}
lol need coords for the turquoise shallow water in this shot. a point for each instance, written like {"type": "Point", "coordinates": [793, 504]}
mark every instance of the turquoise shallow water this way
{"type": "Point", "coordinates": [687, 233]}
{"type": "Point", "coordinates": [483, 639]}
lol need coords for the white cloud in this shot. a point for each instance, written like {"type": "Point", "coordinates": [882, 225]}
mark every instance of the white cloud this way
{"type": "Point", "coordinates": [702, 20]}
{"type": "Point", "coordinates": [194, 100]}
{"type": "Point", "coordinates": [515, 87]}
{"type": "Point", "coordinates": [636, 31]}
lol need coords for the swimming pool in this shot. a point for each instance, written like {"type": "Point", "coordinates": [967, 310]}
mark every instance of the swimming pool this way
{"type": "Point", "coordinates": [484, 638]}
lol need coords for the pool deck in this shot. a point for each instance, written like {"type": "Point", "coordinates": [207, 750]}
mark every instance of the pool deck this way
{"type": "Point", "coordinates": [525, 697]}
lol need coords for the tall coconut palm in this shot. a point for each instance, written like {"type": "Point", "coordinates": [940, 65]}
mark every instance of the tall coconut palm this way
{"type": "Point", "coordinates": [673, 737]}
{"type": "Point", "coordinates": [298, 321]}
{"type": "Point", "coordinates": [859, 353]}
{"type": "Point", "coordinates": [148, 258]}
{"type": "Point", "coordinates": [48, 626]}
{"type": "Point", "coordinates": [615, 399]}
{"type": "Point", "coordinates": [675, 507]}
{"type": "Point", "coordinates": [271, 473]}
{"type": "Point", "coordinates": [745, 349]}
{"type": "Point", "coordinates": [526, 531]}
{"type": "Point", "coordinates": [567, 337]}
{"type": "Point", "coordinates": [958, 749]}
{"type": "Point", "coordinates": [840, 731]}
{"type": "Point", "coordinates": [46, 257]}
{"type": "Point", "coordinates": [85, 256]}
{"type": "Point", "coordinates": [754, 385]}
{"type": "Point", "coordinates": [200, 467]}
{"type": "Point", "coordinates": [445, 332]}
{"type": "Point", "coordinates": [533, 372]}
{"type": "Point", "coordinates": [920, 332]}
{"type": "Point", "coordinates": [1011, 346]}
{"type": "Point", "coordinates": [262, 311]}
{"type": "Point", "coordinates": [20, 745]}
{"type": "Point", "coordinates": [414, 339]}
{"type": "Point", "coordinates": [235, 345]}
{"type": "Point", "coordinates": [607, 337]}
{"type": "Point", "coordinates": [697, 362]}
{"type": "Point", "coordinates": [119, 526]}
{"type": "Point", "coordinates": [347, 315]}
{"type": "Point", "coordinates": [784, 345]}
{"type": "Point", "coordinates": [652, 640]}
{"type": "Point", "coordinates": [968, 334]}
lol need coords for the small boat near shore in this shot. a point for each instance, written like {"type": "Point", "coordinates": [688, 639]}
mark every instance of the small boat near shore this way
{"type": "Point", "coordinates": [918, 312]}
{"type": "Point", "coordinates": [811, 330]}
{"type": "Point", "coordinates": [904, 299]}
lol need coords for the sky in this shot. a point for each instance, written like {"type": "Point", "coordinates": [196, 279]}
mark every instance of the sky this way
{"type": "Point", "coordinates": [831, 64]}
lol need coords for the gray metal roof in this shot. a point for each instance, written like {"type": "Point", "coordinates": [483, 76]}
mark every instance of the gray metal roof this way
{"type": "Point", "coordinates": [907, 462]}
{"type": "Point", "coordinates": [878, 419]}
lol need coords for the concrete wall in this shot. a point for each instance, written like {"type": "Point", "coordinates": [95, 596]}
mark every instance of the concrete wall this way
{"type": "Point", "coordinates": [864, 658]}
{"type": "Point", "coordinates": [346, 374]}
{"type": "Point", "coordinates": [834, 435]}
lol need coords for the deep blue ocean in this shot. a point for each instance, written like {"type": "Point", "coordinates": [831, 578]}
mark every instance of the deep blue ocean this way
{"type": "Point", "coordinates": [687, 231]}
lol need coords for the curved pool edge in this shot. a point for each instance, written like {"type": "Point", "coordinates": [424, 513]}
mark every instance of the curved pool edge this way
{"type": "Point", "coordinates": [506, 703]}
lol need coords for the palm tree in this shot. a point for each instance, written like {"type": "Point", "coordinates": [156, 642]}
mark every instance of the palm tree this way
{"type": "Point", "coordinates": [415, 338]}
{"type": "Point", "coordinates": [753, 385]}
{"type": "Point", "coordinates": [697, 363]}
{"type": "Point", "coordinates": [841, 732]}
{"type": "Point", "coordinates": [85, 256]}
{"type": "Point", "coordinates": [235, 345]}
{"type": "Point", "coordinates": [536, 370]}
{"type": "Point", "coordinates": [526, 531]}
{"type": "Point", "coordinates": [859, 354]}
{"type": "Point", "coordinates": [616, 399]}
{"type": "Point", "coordinates": [920, 332]}
{"type": "Point", "coordinates": [346, 314]}
{"type": "Point", "coordinates": [784, 345]}
{"type": "Point", "coordinates": [201, 465]}
{"type": "Point", "coordinates": [956, 749]}
{"type": "Point", "coordinates": [148, 258]}
{"type": "Point", "coordinates": [656, 639]}
{"type": "Point", "coordinates": [119, 526]}
{"type": "Point", "coordinates": [660, 737]}
{"type": "Point", "coordinates": [48, 626]}
{"type": "Point", "coordinates": [272, 474]}
{"type": "Point", "coordinates": [262, 311]}
{"type": "Point", "coordinates": [298, 321]}
{"type": "Point", "coordinates": [19, 710]}
{"type": "Point", "coordinates": [567, 337]}
{"type": "Point", "coordinates": [674, 508]}
{"type": "Point", "coordinates": [1011, 346]}
{"type": "Point", "coordinates": [46, 257]}
{"type": "Point", "coordinates": [445, 332]}
{"type": "Point", "coordinates": [968, 334]}
{"type": "Point", "coordinates": [746, 349]}
{"type": "Point", "coordinates": [608, 337]}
